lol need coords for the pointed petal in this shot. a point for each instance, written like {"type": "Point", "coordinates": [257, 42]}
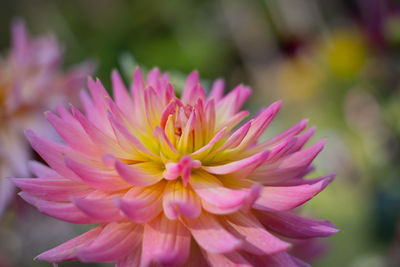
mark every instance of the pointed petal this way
{"type": "Point", "coordinates": [68, 250]}
{"type": "Point", "coordinates": [142, 204]}
{"type": "Point", "coordinates": [73, 134]}
{"type": "Point", "coordinates": [64, 211]}
{"type": "Point", "coordinates": [52, 153]}
{"type": "Point", "coordinates": [288, 167]}
{"type": "Point", "coordinates": [210, 189]}
{"type": "Point", "coordinates": [232, 259]}
{"type": "Point", "coordinates": [200, 153]}
{"type": "Point", "coordinates": [56, 189]}
{"type": "Point", "coordinates": [281, 198]}
{"type": "Point", "coordinates": [101, 139]}
{"type": "Point", "coordinates": [102, 209]}
{"type": "Point", "coordinates": [140, 174]}
{"type": "Point", "coordinates": [165, 242]}
{"type": "Point", "coordinates": [217, 90]}
{"type": "Point", "coordinates": [259, 124]}
{"type": "Point", "coordinates": [165, 145]}
{"type": "Point", "coordinates": [241, 168]}
{"type": "Point", "coordinates": [121, 95]}
{"type": "Point", "coordinates": [41, 170]}
{"type": "Point", "coordinates": [210, 235]}
{"type": "Point", "coordinates": [115, 241]}
{"type": "Point", "coordinates": [191, 82]}
{"type": "Point", "coordinates": [179, 200]}
{"type": "Point", "coordinates": [256, 239]}
{"type": "Point", "coordinates": [236, 138]}
{"type": "Point", "coordinates": [291, 132]}
{"type": "Point", "coordinates": [291, 225]}
{"type": "Point", "coordinates": [133, 259]}
{"type": "Point", "coordinates": [95, 177]}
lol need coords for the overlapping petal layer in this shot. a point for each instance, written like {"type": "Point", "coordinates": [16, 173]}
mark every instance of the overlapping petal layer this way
{"type": "Point", "coordinates": [170, 179]}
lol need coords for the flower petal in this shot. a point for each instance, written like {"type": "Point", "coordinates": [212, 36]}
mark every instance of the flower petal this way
{"type": "Point", "coordinates": [115, 241]}
{"type": "Point", "coordinates": [73, 134]}
{"type": "Point", "coordinates": [210, 235]}
{"type": "Point", "coordinates": [291, 225]}
{"type": "Point", "coordinates": [281, 198]}
{"type": "Point", "coordinates": [142, 204]}
{"type": "Point", "coordinates": [179, 200]}
{"type": "Point", "coordinates": [288, 167]}
{"type": "Point", "coordinates": [165, 242]}
{"type": "Point", "coordinates": [232, 259]}
{"type": "Point", "coordinates": [68, 250]}
{"type": "Point", "coordinates": [131, 260]}
{"type": "Point", "coordinates": [95, 177]}
{"type": "Point", "coordinates": [52, 153]}
{"type": "Point", "coordinates": [64, 211]}
{"type": "Point", "coordinates": [140, 174]}
{"type": "Point", "coordinates": [210, 189]}
{"type": "Point", "coordinates": [217, 90]}
{"type": "Point", "coordinates": [256, 239]}
{"type": "Point", "coordinates": [102, 209]}
{"type": "Point", "coordinates": [49, 188]}
{"type": "Point", "coordinates": [121, 95]}
{"type": "Point", "coordinates": [41, 170]}
{"type": "Point", "coordinates": [241, 168]}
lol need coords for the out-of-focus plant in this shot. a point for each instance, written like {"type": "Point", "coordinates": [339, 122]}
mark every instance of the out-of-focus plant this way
{"type": "Point", "coordinates": [31, 81]}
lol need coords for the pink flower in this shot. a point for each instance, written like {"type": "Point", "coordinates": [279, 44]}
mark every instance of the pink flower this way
{"type": "Point", "coordinates": [30, 82]}
{"type": "Point", "coordinates": [175, 181]}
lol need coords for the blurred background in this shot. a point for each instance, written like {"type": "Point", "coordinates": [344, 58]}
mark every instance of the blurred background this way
{"type": "Point", "coordinates": [334, 62]}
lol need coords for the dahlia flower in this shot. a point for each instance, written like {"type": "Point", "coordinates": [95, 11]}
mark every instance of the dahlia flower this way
{"type": "Point", "coordinates": [30, 83]}
{"type": "Point", "coordinates": [174, 181]}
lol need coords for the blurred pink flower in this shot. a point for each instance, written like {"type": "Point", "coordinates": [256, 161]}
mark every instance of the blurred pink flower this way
{"type": "Point", "coordinates": [31, 81]}
{"type": "Point", "coordinates": [173, 181]}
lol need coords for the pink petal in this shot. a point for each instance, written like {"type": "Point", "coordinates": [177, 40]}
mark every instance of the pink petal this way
{"type": "Point", "coordinates": [140, 174]}
{"type": "Point", "coordinates": [217, 90]}
{"type": "Point", "coordinates": [165, 242]}
{"type": "Point", "coordinates": [179, 200]}
{"type": "Point", "coordinates": [282, 259]}
{"type": "Point", "coordinates": [191, 82]}
{"type": "Point", "coordinates": [95, 177]}
{"type": "Point", "coordinates": [68, 250]}
{"type": "Point", "coordinates": [256, 239]}
{"type": "Point", "coordinates": [288, 167]}
{"type": "Point", "coordinates": [121, 95]}
{"type": "Point", "coordinates": [142, 204]}
{"type": "Point", "coordinates": [290, 225]}
{"type": "Point", "coordinates": [131, 260]}
{"type": "Point", "coordinates": [73, 134]}
{"type": "Point", "coordinates": [281, 198]}
{"type": "Point", "coordinates": [123, 133]}
{"type": "Point", "coordinates": [64, 211]}
{"type": "Point", "coordinates": [200, 153]}
{"type": "Point", "coordinates": [232, 102]}
{"type": "Point", "coordinates": [165, 144]}
{"type": "Point", "coordinates": [49, 188]}
{"type": "Point", "coordinates": [259, 124]}
{"type": "Point", "coordinates": [102, 209]}
{"type": "Point", "coordinates": [101, 139]}
{"type": "Point", "coordinates": [153, 76]}
{"type": "Point", "coordinates": [52, 153]}
{"type": "Point", "coordinates": [243, 167]}
{"type": "Point", "coordinates": [236, 138]}
{"type": "Point", "coordinates": [292, 131]}
{"type": "Point", "coordinates": [116, 241]}
{"type": "Point", "coordinates": [210, 189]}
{"type": "Point", "coordinates": [210, 235]}
{"type": "Point", "coordinates": [41, 170]}
{"type": "Point", "coordinates": [232, 259]}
